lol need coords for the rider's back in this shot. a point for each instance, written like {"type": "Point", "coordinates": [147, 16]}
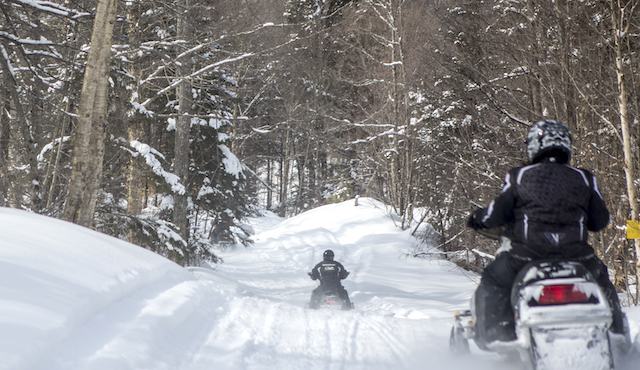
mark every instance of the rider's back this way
{"type": "Point", "coordinates": [555, 205]}
{"type": "Point", "coordinates": [329, 273]}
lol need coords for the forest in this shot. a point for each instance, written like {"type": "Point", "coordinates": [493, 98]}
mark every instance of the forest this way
{"type": "Point", "coordinates": [168, 123]}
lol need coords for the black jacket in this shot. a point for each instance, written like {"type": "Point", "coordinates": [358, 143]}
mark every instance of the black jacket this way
{"type": "Point", "coordinates": [548, 208]}
{"type": "Point", "coordinates": [329, 272]}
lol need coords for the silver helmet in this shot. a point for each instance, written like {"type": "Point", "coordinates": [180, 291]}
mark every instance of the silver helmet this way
{"type": "Point", "coordinates": [549, 139]}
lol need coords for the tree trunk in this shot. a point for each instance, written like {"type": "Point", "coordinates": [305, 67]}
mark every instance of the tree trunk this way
{"type": "Point", "coordinates": [617, 16]}
{"type": "Point", "coordinates": [5, 130]}
{"type": "Point", "coordinates": [52, 172]}
{"type": "Point", "coordinates": [135, 178]}
{"type": "Point", "coordinates": [284, 174]}
{"type": "Point", "coordinates": [407, 216]}
{"type": "Point", "coordinates": [183, 126]}
{"type": "Point", "coordinates": [27, 135]}
{"type": "Point", "coordinates": [401, 160]}
{"type": "Point", "coordinates": [88, 153]}
{"type": "Point", "coordinates": [270, 183]}
{"type": "Point", "coordinates": [135, 181]}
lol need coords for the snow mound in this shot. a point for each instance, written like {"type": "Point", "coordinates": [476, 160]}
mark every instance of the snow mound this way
{"type": "Point", "coordinates": [55, 275]}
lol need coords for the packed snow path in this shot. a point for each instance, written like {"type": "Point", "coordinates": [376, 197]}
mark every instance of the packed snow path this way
{"type": "Point", "coordinates": [75, 299]}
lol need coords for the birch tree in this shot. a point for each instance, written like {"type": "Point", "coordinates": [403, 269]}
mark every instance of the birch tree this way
{"type": "Point", "coordinates": [399, 154]}
{"type": "Point", "coordinates": [621, 14]}
{"type": "Point", "coordinates": [89, 139]}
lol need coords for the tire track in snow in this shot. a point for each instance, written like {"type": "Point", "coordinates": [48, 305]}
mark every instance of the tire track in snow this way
{"type": "Point", "coordinates": [256, 334]}
{"type": "Point", "coordinates": [388, 335]}
{"type": "Point", "coordinates": [160, 324]}
{"type": "Point", "coordinates": [353, 336]}
{"type": "Point", "coordinates": [399, 321]}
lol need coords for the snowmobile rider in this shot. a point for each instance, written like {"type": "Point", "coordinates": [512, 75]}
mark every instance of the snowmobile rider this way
{"type": "Point", "coordinates": [330, 273]}
{"type": "Point", "coordinates": [547, 208]}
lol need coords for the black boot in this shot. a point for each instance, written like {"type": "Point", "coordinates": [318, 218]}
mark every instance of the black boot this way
{"type": "Point", "coordinates": [494, 315]}
{"type": "Point", "coordinates": [504, 332]}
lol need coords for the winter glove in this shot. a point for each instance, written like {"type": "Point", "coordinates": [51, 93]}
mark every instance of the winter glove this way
{"type": "Point", "coordinates": [474, 222]}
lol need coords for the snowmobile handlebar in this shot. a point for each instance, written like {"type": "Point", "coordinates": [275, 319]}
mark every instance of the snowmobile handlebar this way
{"type": "Point", "coordinates": [493, 234]}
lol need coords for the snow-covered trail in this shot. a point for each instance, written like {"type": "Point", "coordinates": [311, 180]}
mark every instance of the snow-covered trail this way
{"type": "Point", "coordinates": [71, 299]}
{"type": "Point", "coordinates": [403, 310]}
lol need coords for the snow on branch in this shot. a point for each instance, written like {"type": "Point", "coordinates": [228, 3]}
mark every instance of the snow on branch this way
{"type": "Point", "coordinates": [201, 46]}
{"type": "Point", "coordinates": [168, 234]}
{"type": "Point", "coordinates": [375, 137]}
{"type": "Point", "coordinates": [18, 40]}
{"type": "Point", "coordinates": [396, 63]}
{"type": "Point", "coordinates": [5, 56]}
{"type": "Point", "coordinates": [232, 164]}
{"type": "Point", "coordinates": [150, 155]}
{"type": "Point", "coordinates": [261, 130]}
{"type": "Point", "coordinates": [53, 54]}
{"type": "Point", "coordinates": [199, 72]}
{"type": "Point", "coordinates": [50, 146]}
{"type": "Point", "coordinates": [53, 8]}
{"type": "Point", "coordinates": [483, 255]}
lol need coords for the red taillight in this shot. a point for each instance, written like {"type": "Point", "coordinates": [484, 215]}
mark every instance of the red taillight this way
{"type": "Point", "coordinates": [562, 294]}
{"type": "Point", "coordinates": [330, 302]}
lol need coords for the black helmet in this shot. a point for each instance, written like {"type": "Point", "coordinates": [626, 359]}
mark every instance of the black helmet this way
{"type": "Point", "coordinates": [549, 139]}
{"type": "Point", "coordinates": [328, 255]}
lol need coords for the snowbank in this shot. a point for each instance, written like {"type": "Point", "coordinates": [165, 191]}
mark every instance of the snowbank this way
{"type": "Point", "coordinates": [55, 275]}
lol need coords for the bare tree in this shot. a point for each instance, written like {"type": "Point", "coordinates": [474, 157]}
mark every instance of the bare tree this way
{"type": "Point", "coordinates": [183, 126]}
{"type": "Point", "coordinates": [621, 12]}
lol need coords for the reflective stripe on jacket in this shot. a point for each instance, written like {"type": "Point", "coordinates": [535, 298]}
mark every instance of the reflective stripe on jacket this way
{"type": "Point", "coordinates": [549, 207]}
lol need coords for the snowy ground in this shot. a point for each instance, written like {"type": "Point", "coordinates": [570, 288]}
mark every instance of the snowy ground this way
{"type": "Point", "coordinates": [71, 298]}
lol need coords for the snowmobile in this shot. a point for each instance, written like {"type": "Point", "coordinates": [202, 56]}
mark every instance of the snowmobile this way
{"type": "Point", "coordinates": [330, 300]}
{"type": "Point", "coordinates": [562, 320]}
